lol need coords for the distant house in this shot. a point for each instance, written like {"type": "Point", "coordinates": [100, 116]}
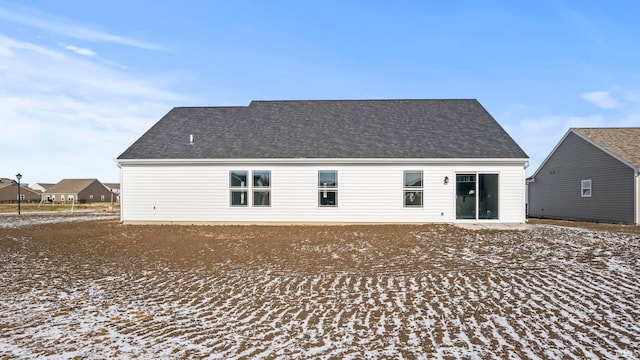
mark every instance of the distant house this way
{"type": "Point", "coordinates": [42, 187]}
{"type": "Point", "coordinates": [344, 161]}
{"type": "Point", "coordinates": [592, 174]}
{"type": "Point", "coordinates": [114, 188]}
{"type": "Point", "coordinates": [78, 191]}
{"type": "Point", "coordinates": [9, 192]}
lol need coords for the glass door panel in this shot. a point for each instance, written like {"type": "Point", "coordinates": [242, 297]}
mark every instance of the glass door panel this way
{"type": "Point", "coordinates": [466, 196]}
{"type": "Point", "coordinates": [488, 199]}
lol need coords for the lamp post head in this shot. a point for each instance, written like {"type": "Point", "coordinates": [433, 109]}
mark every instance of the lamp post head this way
{"type": "Point", "coordinates": [19, 176]}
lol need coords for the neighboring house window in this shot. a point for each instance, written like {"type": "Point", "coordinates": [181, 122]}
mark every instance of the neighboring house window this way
{"type": "Point", "coordinates": [239, 187]}
{"type": "Point", "coordinates": [585, 188]}
{"type": "Point", "coordinates": [262, 188]}
{"type": "Point", "coordinates": [413, 189]}
{"type": "Point", "coordinates": [70, 198]}
{"type": "Point", "coordinates": [91, 197]}
{"type": "Point", "coordinates": [327, 188]}
{"type": "Point", "coordinates": [101, 197]}
{"type": "Point", "coordinates": [21, 197]}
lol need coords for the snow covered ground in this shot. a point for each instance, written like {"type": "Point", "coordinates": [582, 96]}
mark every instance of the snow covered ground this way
{"type": "Point", "coordinates": [425, 292]}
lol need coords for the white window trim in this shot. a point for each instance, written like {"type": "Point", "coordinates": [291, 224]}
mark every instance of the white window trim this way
{"type": "Point", "coordinates": [586, 185]}
{"type": "Point", "coordinates": [242, 188]}
{"type": "Point", "coordinates": [406, 188]}
{"type": "Point", "coordinates": [255, 189]}
{"type": "Point", "coordinates": [325, 189]}
{"type": "Point", "coordinates": [249, 189]}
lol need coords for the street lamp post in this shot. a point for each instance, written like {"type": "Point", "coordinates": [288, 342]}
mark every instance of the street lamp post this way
{"type": "Point", "coordinates": [19, 176]}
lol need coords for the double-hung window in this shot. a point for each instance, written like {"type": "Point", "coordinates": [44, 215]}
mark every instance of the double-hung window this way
{"type": "Point", "coordinates": [585, 188]}
{"type": "Point", "coordinates": [243, 183]}
{"type": "Point", "coordinates": [327, 188]}
{"type": "Point", "coordinates": [413, 189]}
{"type": "Point", "coordinates": [239, 187]}
{"type": "Point", "coordinates": [262, 188]}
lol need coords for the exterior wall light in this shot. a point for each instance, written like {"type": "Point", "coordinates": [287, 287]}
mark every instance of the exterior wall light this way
{"type": "Point", "coordinates": [446, 180]}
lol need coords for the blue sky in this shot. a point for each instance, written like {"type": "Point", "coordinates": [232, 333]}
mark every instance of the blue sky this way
{"type": "Point", "coordinates": [81, 80]}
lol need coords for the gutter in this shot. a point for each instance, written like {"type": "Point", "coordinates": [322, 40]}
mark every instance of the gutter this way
{"type": "Point", "coordinates": [353, 161]}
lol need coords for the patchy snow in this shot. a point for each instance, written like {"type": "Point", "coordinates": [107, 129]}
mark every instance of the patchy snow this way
{"type": "Point", "coordinates": [544, 292]}
{"type": "Point", "coordinates": [15, 221]}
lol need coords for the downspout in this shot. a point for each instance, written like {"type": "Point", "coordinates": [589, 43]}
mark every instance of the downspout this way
{"type": "Point", "coordinates": [636, 196]}
{"type": "Point", "coordinates": [121, 193]}
{"type": "Point", "coordinates": [525, 193]}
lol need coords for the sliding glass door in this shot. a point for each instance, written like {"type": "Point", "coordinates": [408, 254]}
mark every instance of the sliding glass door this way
{"type": "Point", "coordinates": [477, 196]}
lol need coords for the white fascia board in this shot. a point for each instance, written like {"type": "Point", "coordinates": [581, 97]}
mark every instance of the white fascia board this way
{"type": "Point", "coordinates": [439, 161]}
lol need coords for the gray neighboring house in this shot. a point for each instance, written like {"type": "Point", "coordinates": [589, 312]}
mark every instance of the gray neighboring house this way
{"type": "Point", "coordinates": [592, 174]}
{"type": "Point", "coordinates": [333, 161]}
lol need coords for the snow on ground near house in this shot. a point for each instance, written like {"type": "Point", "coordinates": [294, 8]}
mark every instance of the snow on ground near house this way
{"type": "Point", "coordinates": [13, 221]}
{"type": "Point", "coordinates": [99, 289]}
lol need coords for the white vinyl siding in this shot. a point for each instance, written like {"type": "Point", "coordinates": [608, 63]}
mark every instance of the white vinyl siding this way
{"type": "Point", "coordinates": [368, 193]}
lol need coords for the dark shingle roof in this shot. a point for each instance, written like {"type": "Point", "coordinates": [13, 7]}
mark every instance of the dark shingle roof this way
{"type": "Point", "coordinates": [328, 129]}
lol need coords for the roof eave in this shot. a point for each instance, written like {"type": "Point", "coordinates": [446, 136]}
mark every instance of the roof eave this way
{"type": "Point", "coordinates": [436, 161]}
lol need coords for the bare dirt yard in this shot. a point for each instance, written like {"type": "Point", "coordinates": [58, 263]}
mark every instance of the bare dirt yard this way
{"type": "Point", "coordinates": [87, 288]}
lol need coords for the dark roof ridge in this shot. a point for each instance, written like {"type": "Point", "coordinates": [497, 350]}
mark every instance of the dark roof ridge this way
{"type": "Point", "coordinates": [210, 107]}
{"type": "Point", "coordinates": [365, 100]}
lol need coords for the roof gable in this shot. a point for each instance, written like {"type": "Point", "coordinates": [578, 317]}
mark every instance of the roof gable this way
{"type": "Point", "coordinates": [617, 142]}
{"type": "Point", "coordinates": [324, 129]}
{"type": "Point", "coordinates": [622, 143]}
{"type": "Point", "coordinates": [71, 186]}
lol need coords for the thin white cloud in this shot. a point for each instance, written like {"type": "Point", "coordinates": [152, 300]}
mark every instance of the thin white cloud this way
{"type": "Point", "coordinates": [539, 135]}
{"type": "Point", "coordinates": [76, 31]}
{"type": "Point", "coordinates": [8, 46]}
{"type": "Point", "coordinates": [70, 116]}
{"type": "Point", "coordinates": [80, 51]}
{"type": "Point", "coordinates": [601, 99]}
